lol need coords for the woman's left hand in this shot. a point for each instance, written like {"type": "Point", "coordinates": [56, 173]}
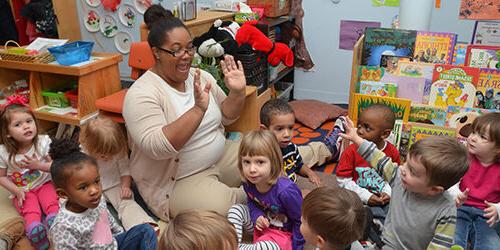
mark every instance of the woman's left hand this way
{"type": "Point", "coordinates": [234, 77]}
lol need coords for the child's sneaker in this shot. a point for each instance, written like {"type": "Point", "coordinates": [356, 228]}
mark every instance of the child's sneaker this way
{"type": "Point", "coordinates": [49, 220]}
{"type": "Point", "coordinates": [37, 234]}
{"type": "Point", "coordinates": [332, 141]}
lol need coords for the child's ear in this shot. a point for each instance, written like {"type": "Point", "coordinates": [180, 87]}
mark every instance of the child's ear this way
{"type": "Point", "coordinates": [61, 193]}
{"type": "Point", "coordinates": [436, 190]}
{"type": "Point", "coordinates": [386, 133]}
{"type": "Point", "coordinates": [320, 242]}
{"type": "Point", "coordinates": [263, 127]}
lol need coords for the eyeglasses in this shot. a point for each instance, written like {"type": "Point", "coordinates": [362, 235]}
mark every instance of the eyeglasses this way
{"type": "Point", "coordinates": [181, 52]}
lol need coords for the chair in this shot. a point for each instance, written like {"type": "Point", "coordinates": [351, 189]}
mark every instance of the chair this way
{"type": "Point", "coordinates": [140, 60]}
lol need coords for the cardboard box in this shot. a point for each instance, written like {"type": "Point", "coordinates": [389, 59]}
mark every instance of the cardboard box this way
{"type": "Point", "coordinates": [272, 8]}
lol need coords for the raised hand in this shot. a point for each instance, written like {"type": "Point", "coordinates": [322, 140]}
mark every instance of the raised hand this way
{"type": "Point", "coordinates": [461, 197]}
{"type": "Point", "coordinates": [351, 132]}
{"type": "Point", "coordinates": [234, 76]}
{"type": "Point", "coordinates": [31, 162]}
{"type": "Point", "coordinates": [201, 95]}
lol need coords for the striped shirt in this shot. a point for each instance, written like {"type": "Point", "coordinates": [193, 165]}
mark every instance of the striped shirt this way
{"type": "Point", "coordinates": [414, 221]}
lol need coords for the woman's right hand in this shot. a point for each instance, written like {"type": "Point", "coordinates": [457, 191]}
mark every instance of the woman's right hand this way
{"type": "Point", "coordinates": [201, 95]}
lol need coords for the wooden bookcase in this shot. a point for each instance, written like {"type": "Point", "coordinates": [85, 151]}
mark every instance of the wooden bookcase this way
{"type": "Point", "coordinates": [356, 62]}
{"type": "Point", "coordinates": [96, 79]}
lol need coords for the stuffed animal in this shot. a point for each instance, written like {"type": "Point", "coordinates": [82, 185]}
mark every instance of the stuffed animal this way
{"type": "Point", "coordinates": [218, 40]}
{"type": "Point", "coordinates": [276, 52]}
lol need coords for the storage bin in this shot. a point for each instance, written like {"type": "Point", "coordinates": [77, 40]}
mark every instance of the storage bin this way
{"type": "Point", "coordinates": [283, 90]}
{"type": "Point", "coordinates": [72, 97]}
{"type": "Point", "coordinates": [55, 99]}
{"type": "Point", "coordinates": [272, 8]}
{"type": "Point", "coordinates": [72, 53]}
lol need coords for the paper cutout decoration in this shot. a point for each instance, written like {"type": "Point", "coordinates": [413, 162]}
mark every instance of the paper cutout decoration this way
{"type": "Point", "coordinates": [92, 21]}
{"type": "Point", "coordinates": [123, 40]}
{"type": "Point", "coordinates": [351, 31]}
{"type": "Point", "coordinates": [127, 15]}
{"type": "Point", "coordinates": [93, 3]}
{"type": "Point", "coordinates": [108, 26]}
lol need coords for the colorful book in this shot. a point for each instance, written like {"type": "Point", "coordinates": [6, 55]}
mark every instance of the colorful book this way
{"type": "Point", "coordinates": [428, 114]}
{"type": "Point", "coordinates": [400, 106]}
{"type": "Point", "coordinates": [420, 131]}
{"type": "Point", "coordinates": [483, 56]}
{"type": "Point", "coordinates": [404, 141]}
{"type": "Point", "coordinates": [488, 89]}
{"type": "Point", "coordinates": [453, 86]}
{"type": "Point", "coordinates": [414, 69]}
{"type": "Point", "coordinates": [395, 136]}
{"type": "Point", "coordinates": [386, 41]}
{"type": "Point", "coordinates": [408, 87]}
{"type": "Point", "coordinates": [434, 47]}
{"type": "Point", "coordinates": [378, 88]}
{"type": "Point", "coordinates": [460, 119]}
{"type": "Point", "coordinates": [459, 54]}
{"type": "Point", "coordinates": [369, 73]}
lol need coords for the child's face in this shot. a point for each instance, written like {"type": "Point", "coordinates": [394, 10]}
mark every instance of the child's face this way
{"type": "Point", "coordinates": [282, 127]}
{"type": "Point", "coordinates": [371, 127]}
{"type": "Point", "coordinates": [256, 169]}
{"type": "Point", "coordinates": [22, 127]}
{"type": "Point", "coordinates": [414, 176]}
{"type": "Point", "coordinates": [481, 145]}
{"type": "Point", "coordinates": [83, 188]}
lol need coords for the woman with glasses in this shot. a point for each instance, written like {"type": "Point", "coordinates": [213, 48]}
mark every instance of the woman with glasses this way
{"type": "Point", "coordinates": [175, 115]}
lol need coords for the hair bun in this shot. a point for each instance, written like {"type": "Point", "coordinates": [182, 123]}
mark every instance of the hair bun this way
{"type": "Point", "coordinates": [62, 148]}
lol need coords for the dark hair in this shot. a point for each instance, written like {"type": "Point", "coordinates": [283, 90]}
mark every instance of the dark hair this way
{"type": "Point", "coordinates": [274, 107]}
{"type": "Point", "coordinates": [158, 32]}
{"type": "Point", "coordinates": [5, 120]}
{"type": "Point", "coordinates": [386, 114]}
{"type": "Point", "coordinates": [489, 124]}
{"type": "Point", "coordinates": [336, 214]}
{"type": "Point", "coordinates": [66, 153]}
{"type": "Point", "coordinates": [154, 13]}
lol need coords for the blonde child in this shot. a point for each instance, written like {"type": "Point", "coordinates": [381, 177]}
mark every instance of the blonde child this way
{"type": "Point", "coordinates": [105, 140]}
{"type": "Point", "coordinates": [201, 230]}
{"type": "Point", "coordinates": [333, 219]}
{"type": "Point", "coordinates": [84, 222]}
{"type": "Point", "coordinates": [477, 217]}
{"type": "Point", "coordinates": [274, 201]}
{"type": "Point", "coordinates": [24, 169]}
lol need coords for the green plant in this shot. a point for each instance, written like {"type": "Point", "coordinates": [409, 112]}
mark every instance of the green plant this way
{"type": "Point", "coordinates": [211, 65]}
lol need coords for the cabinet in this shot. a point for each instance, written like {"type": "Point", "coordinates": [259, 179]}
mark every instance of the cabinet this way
{"type": "Point", "coordinates": [94, 79]}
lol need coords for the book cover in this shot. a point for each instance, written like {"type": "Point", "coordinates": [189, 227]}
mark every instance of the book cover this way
{"type": "Point", "coordinates": [378, 88]}
{"type": "Point", "coordinates": [408, 87]}
{"type": "Point", "coordinates": [386, 41]}
{"type": "Point", "coordinates": [488, 89]}
{"type": "Point", "coordinates": [395, 136]}
{"type": "Point", "coordinates": [460, 119]}
{"type": "Point", "coordinates": [428, 114]}
{"type": "Point", "coordinates": [459, 54]}
{"type": "Point", "coordinates": [420, 131]}
{"type": "Point", "coordinates": [482, 56]}
{"type": "Point", "coordinates": [434, 47]}
{"type": "Point", "coordinates": [404, 141]}
{"type": "Point", "coordinates": [369, 73]}
{"type": "Point", "coordinates": [453, 86]}
{"type": "Point", "coordinates": [414, 69]}
{"type": "Point", "coordinates": [400, 106]}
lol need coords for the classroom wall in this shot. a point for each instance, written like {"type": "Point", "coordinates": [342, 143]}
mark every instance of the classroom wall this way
{"type": "Point", "coordinates": [329, 81]}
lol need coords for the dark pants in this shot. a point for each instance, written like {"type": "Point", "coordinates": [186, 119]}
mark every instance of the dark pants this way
{"type": "Point", "coordinates": [140, 237]}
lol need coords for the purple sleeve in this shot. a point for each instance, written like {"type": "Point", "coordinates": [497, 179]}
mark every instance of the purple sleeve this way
{"type": "Point", "coordinates": [255, 212]}
{"type": "Point", "coordinates": [291, 200]}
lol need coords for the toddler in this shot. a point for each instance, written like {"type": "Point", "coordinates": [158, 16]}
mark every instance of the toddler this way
{"type": "Point", "coordinates": [84, 221]}
{"type": "Point", "coordinates": [105, 140]}
{"type": "Point", "coordinates": [24, 169]}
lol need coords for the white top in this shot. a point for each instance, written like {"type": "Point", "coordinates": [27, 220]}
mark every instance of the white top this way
{"type": "Point", "coordinates": [112, 170]}
{"type": "Point", "coordinates": [206, 145]}
{"type": "Point", "coordinates": [25, 178]}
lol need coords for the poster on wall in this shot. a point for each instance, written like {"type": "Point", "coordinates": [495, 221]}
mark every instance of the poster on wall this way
{"type": "Point", "coordinates": [351, 31]}
{"type": "Point", "coordinates": [389, 3]}
{"type": "Point", "coordinates": [486, 33]}
{"type": "Point", "coordinates": [479, 10]}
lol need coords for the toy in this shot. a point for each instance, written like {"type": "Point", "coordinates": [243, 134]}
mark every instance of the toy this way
{"type": "Point", "coordinates": [276, 52]}
{"type": "Point", "coordinates": [218, 40]}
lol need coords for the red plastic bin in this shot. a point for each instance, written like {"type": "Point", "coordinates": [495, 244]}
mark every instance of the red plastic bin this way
{"type": "Point", "coordinates": [72, 96]}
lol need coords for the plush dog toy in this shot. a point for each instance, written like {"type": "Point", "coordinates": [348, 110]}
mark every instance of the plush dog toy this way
{"type": "Point", "coordinates": [276, 52]}
{"type": "Point", "coordinates": [218, 40]}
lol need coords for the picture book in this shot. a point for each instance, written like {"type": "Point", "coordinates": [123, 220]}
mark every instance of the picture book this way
{"type": "Point", "coordinates": [404, 141]}
{"type": "Point", "coordinates": [488, 89]}
{"type": "Point", "coordinates": [395, 136]}
{"type": "Point", "coordinates": [400, 106]}
{"type": "Point", "coordinates": [420, 131]}
{"type": "Point", "coordinates": [453, 86]}
{"type": "Point", "coordinates": [434, 47]}
{"type": "Point", "coordinates": [386, 41]}
{"type": "Point", "coordinates": [369, 73]}
{"type": "Point", "coordinates": [459, 54]}
{"type": "Point", "coordinates": [390, 63]}
{"type": "Point", "coordinates": [482, 56]}
{"type": "Point", "coordinates": [428, 114]}
{"type": "Point", "coordinates": [414, 69]}
{"type": "Point", "coordinates": [378, 88]}
{"type": "Point", "coordinates": [461, 119]}
{"type": "Point", "coordinates": [408, 87]}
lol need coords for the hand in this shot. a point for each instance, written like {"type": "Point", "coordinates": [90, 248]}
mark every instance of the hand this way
{"type": "Point", "coordinates": [261, 223]}
{"type": "Point", "coordinates": [201, 95]}
{"type": "Point", "coordinates": [385, 198]}
{"type": "Point", "coordinates": [234, 77]}
{"type": "Point", "coordinates": [375, 200]}
{"type": "Point", "coordinates": [491, 213]}
{"type": "Point", "coordinates": [32, 163]}
{"type": "Point", "coordinates": [126, 193]}
{"type": "Point", "coordinates": [351, 132]}
{"type": "Point", "coordinates": [461, 197]}
{"type": "Point", "coordinates": [20, 195]}
{"type": "Point", "coordinates": [313, 178]}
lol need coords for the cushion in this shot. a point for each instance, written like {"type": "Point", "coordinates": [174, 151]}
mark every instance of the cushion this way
{"type": "Point", "coordinates": [313, 113]}
{"type": "Point", "coordinates": [11, 224]}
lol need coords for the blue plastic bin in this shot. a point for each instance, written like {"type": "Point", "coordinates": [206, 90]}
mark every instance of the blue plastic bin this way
{"type": "Point", "coordinates": [72, 53]}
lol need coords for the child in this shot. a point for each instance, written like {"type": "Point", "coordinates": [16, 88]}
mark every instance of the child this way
{"type": "Point", "coordinates": [24, 167]}
{"type": "Point", "coordinates": [104, 139]}
{"type": "Point", "coordinates": [203, 230]}
{"type": "Point", "coordinates": [356, 174]}
{"type": "Point", "coordinates": [420, 215]}
{"type": "Point", "coordinates": [480, 186]}
{"type": "Point", "coordinates": [273, 201]}
{"type": "Point", "coordinates": [332, 218]}
{"type": "Point", "coordinates": [84, 221]}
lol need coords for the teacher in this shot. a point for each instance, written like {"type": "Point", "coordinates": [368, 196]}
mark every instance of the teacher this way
{"type": "Point", "coordinates": [175, 115]}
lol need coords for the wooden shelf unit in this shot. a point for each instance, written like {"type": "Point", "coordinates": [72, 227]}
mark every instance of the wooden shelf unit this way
{"type": "Point", "coordinates": [96, 79]}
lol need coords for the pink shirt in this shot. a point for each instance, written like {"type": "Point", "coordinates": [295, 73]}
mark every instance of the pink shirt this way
{"type": "Point", "coordinates": [483, 183]}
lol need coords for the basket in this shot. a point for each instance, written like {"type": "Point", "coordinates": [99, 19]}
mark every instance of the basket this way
{"type": "Point", "coordinates": [72, 53]}
{"type": "Point", "coordinates": [255, 67]}
{"type": "Point", "coordinates": [15, 54]}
